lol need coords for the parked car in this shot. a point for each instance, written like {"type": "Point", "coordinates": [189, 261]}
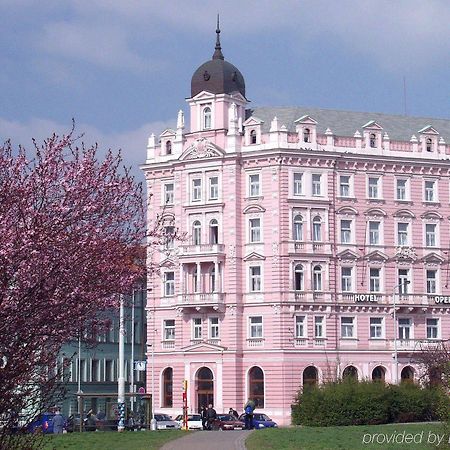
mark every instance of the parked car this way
{"type": "Point", "coordinates": [43, 423]}
{"type": "Point", "coordinates": [260, 421]}
{"type": "Point", "coordinates": [227, 422]}
{"type": "Point", "coordinates": [194, 421]}
{"type": "Point", "coordinates": [165, 422]}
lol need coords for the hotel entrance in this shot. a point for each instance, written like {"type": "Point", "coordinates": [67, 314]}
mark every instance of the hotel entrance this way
{"type": "Point", "coordinates": [204, 385]}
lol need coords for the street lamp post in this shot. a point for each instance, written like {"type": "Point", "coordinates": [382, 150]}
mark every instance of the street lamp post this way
{"type": "Point", "coordinates": [403, 283]}
{"type": "Point", "coordinates": [121, 379]}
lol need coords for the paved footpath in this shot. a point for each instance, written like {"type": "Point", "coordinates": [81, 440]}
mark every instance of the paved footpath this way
{"type": "Point", "coordinates": [207, 440]}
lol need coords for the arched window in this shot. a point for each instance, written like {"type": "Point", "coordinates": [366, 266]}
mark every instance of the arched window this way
{"type": "Point", "coordinates": [306, 135]}
{"type": "Point", "coordinates": [196, 233]}
{"type": "Point", "coordinates": [429, 144]}
{"type": "Point", "coordinates": [167, 388]}
{"type": "Point", "coordinates": [207, 118]}
{"type": "Point", "coordinates": [256, 386]}
{"type": "Point", "coordinates": [407, 375]}
{"type": "Point", "coordinates": [253, 137]}
{"type": "Point", "coordinates": [205, 387]}
{"type": "Point", "coordinates": [298, 277]}
{"type": "Point", "coordinates": [317, 229]}
{"type": "Point", "coordinates": [310, 377]}
{"type": "Point", "coordinates": [373, 140]}
{"type": "Point", "coordinates": [378, 374]}
{"type": "Point", "coordinates": [168, 147]}
{"type": "Point", "coordinates": [214, 232]}
{"type": "Point", "coordinates": [317, 278]}
{"type": "Point", "coordinates": [350, 372]}
{"type": "Point", "coordinates": [297, 229]}
{"type": "Point", "coordinates": [212, 279]}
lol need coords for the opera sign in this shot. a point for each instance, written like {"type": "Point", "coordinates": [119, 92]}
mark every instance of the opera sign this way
{"type": "Point", "coordinates": [442, 299]}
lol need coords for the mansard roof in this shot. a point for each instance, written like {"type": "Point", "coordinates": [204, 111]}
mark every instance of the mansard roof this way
{"type": "Point", "coordinates": [345, 123]}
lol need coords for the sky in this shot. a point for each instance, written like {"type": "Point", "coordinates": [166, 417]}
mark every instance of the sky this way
{"type": "Point", "coordinates": [122, 68]}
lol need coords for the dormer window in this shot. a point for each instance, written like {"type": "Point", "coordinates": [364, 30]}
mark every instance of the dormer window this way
{"type": "Point", "coordinates": [373, 140]}
{"type": "Point", "coordinates": [168, 147]}
{"type": "Point", "coordinates": [306, 135]}
{"type": "Point", "coordinates": [253, 137]}
{"type": "Point", "coordinates": [429, 145]}
{"type": "Point", "coordinates": [207, 118]}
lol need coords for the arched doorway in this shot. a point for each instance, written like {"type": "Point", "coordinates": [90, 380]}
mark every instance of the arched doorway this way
{"type": "Point", "coordinates": [378, 374]}
{"type": "Point", "coordinates": [310, 377]}
{"type": "Point", "coordinates": [350, 372]}
{"type": "Point", "coordinates": [256, 386]}
{"type": "Point", "coordinates": [167, 388]}
{"type": "Point", "coordinates": [204, 384]}
{"type": "Point", "coordinates": [407, 375]}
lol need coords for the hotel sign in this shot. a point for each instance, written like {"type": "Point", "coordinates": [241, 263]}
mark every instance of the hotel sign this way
{"type": "Point", "coordinates": [373, 298]}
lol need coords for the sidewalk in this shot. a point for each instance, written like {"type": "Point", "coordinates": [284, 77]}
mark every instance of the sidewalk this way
{"type": "Point", "coordinates": [207, 440]}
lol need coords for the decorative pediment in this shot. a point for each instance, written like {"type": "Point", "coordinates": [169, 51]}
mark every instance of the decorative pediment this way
{"type": "Point", "coordinates": [433, 258]}
{"type": "Point", "coordinates": [432, 215]}
{"type": "Point", "coordinates": [306, 119]}
{"type": "Point", "coordinates": [372, 125]}
{"type": "Point", "coordinates": [168, 133]}
{"type": "Point", "coordinates": [168, 263]}
{"type": "Point", "coordinates": [253, 120]}
{"type": "Point", "coordinates": [375, 212]}
{"type": "Point", "coordinates": [376, 255]}
{"type": "Point", "coordinates": [203, 347]}
{"type": "Point", "coordinates": [202, 148]}
{"type": "Point", "coordinates": [429, 130]}
{"type": "Point", "coordinates": [203, 95]}
{"type": "Point", "coordinates": [253, 256]}
{"type": "Point", "coordinates": [404, 213]}
{"type": "Point", "coordinates": [347, 255]}
{"type": "Point", "coordinates": [253, 209]}
{"type": "Point", "coordinates": [347, 211]}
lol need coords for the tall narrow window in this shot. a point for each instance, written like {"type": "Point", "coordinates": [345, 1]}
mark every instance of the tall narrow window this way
{"type": "Point", "coordinates": [374, 233]}
{"type": "Point", "coordinates": [298, 183]}
{"type": "Point", "coordinates": [300, 326]}
{"type": "Point", "coordinates": [317, 278]}
{"type": "Point", "coordinates": [255, 278]}
{"type": "Point", "coordinates": [169, 283]}
{"type": "Point", "coordinates": [401, 189]}
{"type": "Point", "coordinates": [430, 195]}
{"type": "Point", "coordinates": [346, 231]}
{"type": "Point", "coordinates": [402, 234]}
{"type": "Point", "coordinates": [429, 145]}
{"type": "Point", "coordinates": [255, 230]}
{"type": "Point", "coordinates": [256, 327]}
{"type": "Point", "coordinates": [374, 276]}
{"type": "Point", "coordinates": [347, 327]}
{"type": "Point", "coordinates": [169, 233]}
{"type": "Point", "coordinates": [431, 281]}
{"type": "Point", "coordinates": [404, 328]}
{"type": "Point", "coordinates": [316, 180]}
{"type": "Point", "coordinates": [297, 229]}
{"type": "Point", "coordinates": [318, 327]}
{"type": "Point", "coordinates": [344, 186]}
{"type": "Point", "coordinates": [376, 327]}
{"type": "Point", "coordinates": [253, 137]}
{"type": "Point", "coordinates": [207, 118]}
{"type": "Point", "coordinates": [213, 232]}
{"type": "Point", "coordinates": [346, 279]}
{"type": "Point", "coordinates": [196, 233]}
{"type": "Point", "coordinates": [298, 278]}
{"type": "Point", "coordinates": [168, 147]}
{"type": "Point", "coordinates": [256, 386]}
{"type": "Point", "coordinates": [213, 188]}
{"type": "Point", "coordinates": [317, 229]}
{"type": "Point", "coordinates": [306, 135]}
{"type": "Point", "coordinates": [430, 235]}
{"type": "Point", "coordinates": [196, 328]}
{"type": "Point", "coordinates": [212, 279]}
{"type": "Point", "coordinates": [169, 330]}
{"type": "Point", "coordinates": [196, 189]}
{"type": "Point", "coordinates": [432, 328]}
{"type": "Point", "coordinates": [214, 328]}
{"type": "Point", "coordinates": [254, 187]}
{"type": "Point", "coordinates": [373, 140]}
{"type": "Point", "coordinates": [195, 279]}
{"type": "Point", "coordinates": [168, 194]}
{"type": "Point", "coordinates": [374, 191]}
{"type": "Point", "coordinates": [168, 387]}
{"type": "Point", "coordinates": [403, 281]}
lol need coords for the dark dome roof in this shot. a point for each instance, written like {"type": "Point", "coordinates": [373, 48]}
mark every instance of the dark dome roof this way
{"type": "Point", "coordinates": [217, 76]}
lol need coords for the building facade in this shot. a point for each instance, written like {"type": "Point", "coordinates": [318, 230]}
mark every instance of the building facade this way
{"type": "Point", "coordinates": [303, 227]}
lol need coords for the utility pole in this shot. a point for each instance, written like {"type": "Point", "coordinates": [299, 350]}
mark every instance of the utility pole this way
{"type": "Point", "coordinates": [121, 379]}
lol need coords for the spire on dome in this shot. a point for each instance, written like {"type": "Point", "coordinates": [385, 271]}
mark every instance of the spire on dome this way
{"type": "Point", "coordinates": [218, 49]}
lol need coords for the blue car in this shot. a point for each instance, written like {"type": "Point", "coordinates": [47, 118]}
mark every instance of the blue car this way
{"type": "Point", "coordinates": [260, 421]}
{"type": "Point", "coordinates": [43, 423]}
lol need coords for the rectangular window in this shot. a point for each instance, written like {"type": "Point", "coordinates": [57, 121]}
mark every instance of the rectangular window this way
{"type": "Point", "coordinates": [402, 234]}
{"type": "Point", "coordinates": [401, 189]}
{"type": "Point", "coordinates": [83, 374]}
{"type": "Point", "coordinates": [318, 327]}
{"type": "Point", "coordinates": [346, 231]}
{"type": "Point", "coordinates": [374, 233]}
{"type": "Point", "coordinates": [255, 230]}
{"type": "Point", "coordinates": [430, 195]}
{"type": "Point", "coordinates": [431, 281]}
{"type": "Point", "coordinates": [196, 189]}
{"type": "Point", "coordinates": [254, 185]}
{"type": "Point", "coordinates": [374, 191]}
{"type": "Point", "coordinates": [347, 327]}
{"type": "Point", "coordinates": [432, 328]}
{"type": "Point", "coordinates": [404, 329]}
{"type": "Point", "coordinates": [255, 278]}
{"type": "Point", "coordinates": [317, 229]}
{"type": "Point", "coordinates": [169, 283]}
{"type": "Point", "coordinates": [346, 279]}
{"type": "Point", "coordinates": [430, 235]}
{"type": "Point", "coordinates": [168, 194]}
{"type": "Point", "coordinates": [403, 281]}
{"type": "Point", "coordinates": [376, 327]}
{"type": "Point", "coordinates": [256, 327]}
{"type": "Point", "coordinates": [169, 330]}
{"type": "Point", "coordinates": [213, 188]}
{"type": "Point", "coordinates": [344, 186]}
{"type": "Point", "coordinates": [169, 233]}
{"type": "Point", "coordinates": [196, 328]}
{"type": "Point", "coordinates": [298, 185]}
{"type": "Point", "coordinates": [374, 275]}
{"type": "Point", "coordinates": [316, 180]}
{"type": "Point", "coordinates": [95, 370]}
{"type": "Point", "coordinates": [214, 327]}
{"type": "Point", "coordinates": [300, 327]}
{"type": "Point", "coordinates": [109, 370]}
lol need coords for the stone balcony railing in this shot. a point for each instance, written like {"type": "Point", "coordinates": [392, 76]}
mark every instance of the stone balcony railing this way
{"type": "Point", "coordinates": [374, 299]}
{"type": "Point", "coordinates": [197, 299]}
{"type": "Point", "coordinates": [202, 249]}
{"type": "Point", "coordinates": [255, 342]}
{"type": "Point", "coordinates": [323, 248]}
{"type": "Point", "coordinates": [413, 344]}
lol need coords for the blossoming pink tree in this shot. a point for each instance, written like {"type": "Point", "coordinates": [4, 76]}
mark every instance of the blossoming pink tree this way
{"type": "Point", "coordinates": [71, 233]}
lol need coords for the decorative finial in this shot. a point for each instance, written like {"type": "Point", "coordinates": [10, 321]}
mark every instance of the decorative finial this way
{"type": "Point", "coordinates": [218, 49]}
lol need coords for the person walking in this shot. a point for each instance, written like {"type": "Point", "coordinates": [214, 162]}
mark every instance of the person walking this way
{"type": "Point", "coordinates": [249, 407]}
{"type": "Point", "coordinates": [58, 423]}
{"type": "Point", "coordinates": [233, 413]}
{"type": "Point", "coordinates": [210, 416]}
{"type": "Point", "coordinates": [204, 418]}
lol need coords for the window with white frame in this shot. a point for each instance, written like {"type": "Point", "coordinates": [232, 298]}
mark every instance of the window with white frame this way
{"type": "Point", "coordinates": [376, 327]}
{"type": "Point", "coordinates": [213, 188]}
{"type": "Point", "coordinates": [196, 328]}
{"type": "Point", "coordinates": [346, 279]}
{"type": "Point", "coordinates": [374, 233]}
{"type": "Point", "coordinates": [253, 138]}
{"type": "Point", "coordinates": [346, 231]}
{"type": "Point", "coordinates": [255, 230]}
{"type": "Point", "coordinates": [207, 118]}
{"type": "Point", "coordinates": [169, 234]}
{"type": "Point", "coordinates": [212, 279]}
{"type": "Point", "coordinates": [316, 182]}
{"type": "Point", "coordinates": [169, 283]}
{"type": "Point", "coordinates": [297, 228]}
{"type": "Point", "coordinates": [213, 232]}
{"type": "Point", "coordinates": [430, 235]}
{"type": "Point", "coordinates": [254, 185]}
{"type": "Point", "coordinates": [214, 328]}
{"type": "Point", "coordinates": [196, 189]}
{"type": "Point", "coordinates": [431, 281]}
{"type": "Point", "coordinates": [300, 326]}
{"type": "Point", "coordinates": [169, 330]}
{"type": "Point", "coordinates": [196, 233]}
{"type": "Point", "coordinates": [168, 194]}
{"type": "Point", "coordinates": [374, 187]}
{"type": "Point", "coordinates": [374, 279]}
{"type": "Point", "coordinates": [255, 327]}
{"type": "Point", "coordinates": [317, 278]}
{"type": "Point", "coordinates": [433, 328]}
{"type": "Point", "coordinates": [347, 327]}
{"type": "Point", "coordinates": [373, 140]}
{"type": "Point", "coordinates": [402, 234]}
{"type": "Point", "coordinates": [298, 183]}
{"type": "Point", "coordinates": [429, 145]}
{"type": "Point", "coordinates": [298, 277]}
{"type": "Point", "coordinates": [317, 229]}
{"type": "Point", "coordinates": [255, 278]}
{"type": "Point", "coordinates": [430, 194]}
{"type": "Point", "coordinates": [195, 279]}
{"type": "Point", "coordinates": [306, 135]}
{"type": "Point", "coordinates": [404, 328]}
{"type": "Point", "coordinates": [344, 185]}
{"type": "Point", "coordinates": [319, 331]}
{"type": "Point", "coordinates": [403, 281]}
{"type": "Point", "coordinates": [401, 189]}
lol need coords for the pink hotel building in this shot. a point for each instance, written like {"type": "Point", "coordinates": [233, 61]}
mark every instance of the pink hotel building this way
{"type": "Point", "coordinates": [303, 226]}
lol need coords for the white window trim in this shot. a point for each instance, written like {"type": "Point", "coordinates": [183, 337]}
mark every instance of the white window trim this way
{"type": "Point", "coordinates": [355, 328]}
{"type": "Point", "coordinates": [411, 337]}
{"type": "Point", "coordinates": [305, 326]}
{"type": "Point", "coordinates": [249, 336]}
{"type": "Point", "coordinates": [437, 239]}
{"type": "Point", "coordinates": [439, 328]}
{"type": "Point", "coordinates": [435, 190]}
{"type": "Point", "coordinates": [381, 269]}
{"type": "Point", "coordinates": [408, 240]}
{"type": "Point", "coordinates": [383, 328]}
{"type": "Point", "coordinates": [163, 192]}
{"type": "Point", "coordinates": [248, 184]}
{"type": "Point", "coordinates": [438, 280]}
{"type": "Point", "coordinates": [193, 328]}
{"type": "Point", "coordinates": [352, 279]}
{"type": "Point", "coordinates": [380, 233]}
{"type": "Point", "coordinates": [350, 185]}
{"type": "Point", "coordinates": [164, 284]}
{"type": "Point", "coordinates": [164, 330]}
{"type": "Point", "coordinates": [249, 281]}
{"type": "Point", "coordinates": [210, 327]}
{"type": "Point", "coordinates": [261, 230]}
{"type": "Point", "coordinates": [324, 326]}
{"type": "Point", "coordinates": [407, 189]}
{"type": "Point", "coordinates": [292, 190]}
{"type": "Point", "coordinates": [379, 187]}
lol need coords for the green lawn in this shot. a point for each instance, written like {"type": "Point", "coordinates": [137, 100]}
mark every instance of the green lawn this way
{"type": "Point", "coordinates": [348, 438]}
{"type": "Point", "coordinates": [111, 440]}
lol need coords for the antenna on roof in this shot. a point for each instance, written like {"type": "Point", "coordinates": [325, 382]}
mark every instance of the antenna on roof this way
{"type": "Point", "coordinates": [404, 95]}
